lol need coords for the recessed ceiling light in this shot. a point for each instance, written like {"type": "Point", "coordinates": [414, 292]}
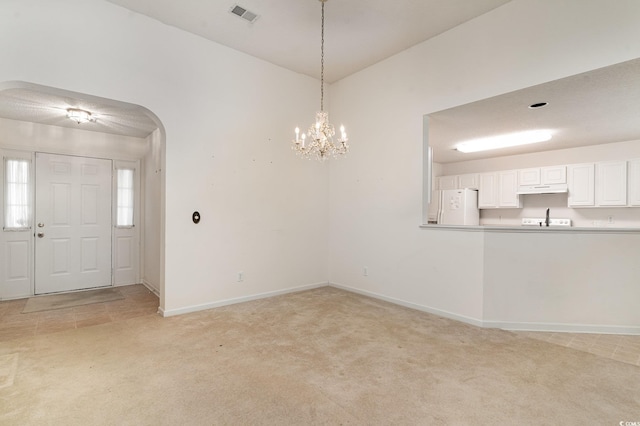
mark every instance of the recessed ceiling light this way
{"type": "Point", "coordinates": [504, 141]}
{"type": "Point", "coordinates": [80, 116]}
{"type": "Point", "coordinates": [537, 105]}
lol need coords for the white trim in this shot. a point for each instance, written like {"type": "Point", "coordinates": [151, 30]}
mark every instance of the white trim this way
{"type": "Point", "coordinates": [196, 308]}
{"type": "Point", "coordinates": [151, 287]}
{"type": "Point", "coordinates": [564, 328]}
{"type": "Point", "coordinates": [510, 326]}
{"type": "Point", "coordinates": [430, 310]}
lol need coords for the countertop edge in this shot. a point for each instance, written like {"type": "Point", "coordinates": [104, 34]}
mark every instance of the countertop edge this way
{"type": "Point", "coordinates": [528, 230]}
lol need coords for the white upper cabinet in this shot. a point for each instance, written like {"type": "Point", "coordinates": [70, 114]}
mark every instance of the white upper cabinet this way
{"type": "Point", "coordinates": [542, 175]}
{"type": "Point", "coordinates": [470, 181]}
{"type": "Point", "coordinates": [508, 189]}
{"type": "Point", "coordinates": [611, 183]}
{"type": "Point", "coordinates": [487, 195]}
{"type": "Point", "coordinates": [553, 175]}
{"type": "Point", "coordinates": [529, 176]}
{"type": "Point", "coordinates": [499, 190]}
{"type": "Point", "coordinates": [448, 182]}
{"type": "Point", "coordinates": [581, 180]}
{"type": "Point", "coordinates": [633, 188]}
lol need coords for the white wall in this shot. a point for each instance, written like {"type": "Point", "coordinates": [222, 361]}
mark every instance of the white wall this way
{"type": "Point", "coordinates": [27, 136]}
{"type": "Point", "coordinates": [562, 281]}
{"type": "Point", "coordinates": [228, 116]}
{"type": "Point", "coordinates": [228, 120]}
{"type": "Point", "coordinates": [376, 193]}
{"type": "Point", "coordinates": [152, 208]}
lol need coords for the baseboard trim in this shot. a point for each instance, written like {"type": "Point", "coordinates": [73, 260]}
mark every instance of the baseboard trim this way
{"type": "Point", "coordinates": [430, 310]}
{"type": "Point", "coordinates": [564, 328]}
{"type": "Point", "coordinates": [205, 306]}
{"type": "Point", "coordinates": [510, 326]}
{"type": "Point", "coordinates": [151, 288]}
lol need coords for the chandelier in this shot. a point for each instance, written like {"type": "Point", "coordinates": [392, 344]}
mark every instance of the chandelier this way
{"type": "Point", "coordinates": [318, 140]}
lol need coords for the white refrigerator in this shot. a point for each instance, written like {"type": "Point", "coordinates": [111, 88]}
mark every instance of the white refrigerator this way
{"type": "Point", "coordinates": [454, 207]}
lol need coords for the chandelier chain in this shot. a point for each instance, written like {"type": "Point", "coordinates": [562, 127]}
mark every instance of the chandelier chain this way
{"type": "Point", "coordinates": [322, 61]}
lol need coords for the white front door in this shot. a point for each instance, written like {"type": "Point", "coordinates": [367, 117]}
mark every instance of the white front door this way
{"type": "Point", "coordinates": [72, 223]}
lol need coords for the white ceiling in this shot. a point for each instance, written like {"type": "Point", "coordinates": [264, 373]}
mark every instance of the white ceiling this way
{"type": "Point", "coordinates": [47, 105]}
{"type": "Point", "coordinates": [596, 107]}
{"type": "Point", "coordinates": [358, 33]}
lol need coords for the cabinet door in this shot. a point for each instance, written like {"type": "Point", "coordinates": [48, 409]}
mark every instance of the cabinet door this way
{"type": "Point", "coordinates": [448, 182]}
{"type": "Point", "coordinates": [507, 189]}
{"type": "Point", "coordinates": [529, 176]}
{"type": "Point", "coordinates": [555, 174]}
{"type": "Point", "coordinates": [581, 185]}
{"type": "Point", "coordinates": [611, 183]}
{"type": "Point", "coordinates": [487, 198]}
{"type": "Point", "coordinates": [469, 181]}
{"type": "Point", "coordinates": [633, 182]}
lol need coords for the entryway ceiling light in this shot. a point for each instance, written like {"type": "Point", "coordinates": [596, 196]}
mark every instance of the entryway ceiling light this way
{"type": "Point", "coordinates": [320, 134]}
{"type": "Point", "coordinates": [504, 141]}
{"type": "Point", "coordinates": [80, 116]}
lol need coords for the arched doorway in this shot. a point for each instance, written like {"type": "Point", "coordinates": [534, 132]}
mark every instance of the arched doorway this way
{"type": "Point", "coordinates": [35, 120]}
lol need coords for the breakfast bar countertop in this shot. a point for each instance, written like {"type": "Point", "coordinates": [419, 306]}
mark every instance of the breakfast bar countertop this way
{"type": "Point", "coordinates": [532, 229]}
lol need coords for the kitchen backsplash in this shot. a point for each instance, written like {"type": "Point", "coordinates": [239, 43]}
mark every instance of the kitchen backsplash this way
{"type": "Point", "coordinates": [535, 206]}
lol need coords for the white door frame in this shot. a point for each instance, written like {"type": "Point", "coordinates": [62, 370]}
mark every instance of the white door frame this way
{"type": "Point", "coordinates": [18, 277]}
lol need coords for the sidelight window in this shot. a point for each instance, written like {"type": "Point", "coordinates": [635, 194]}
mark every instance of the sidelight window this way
{"type": "Point", "coordinates": [17, 206]}
{"type": "Point", "coordinates": [125, 198]}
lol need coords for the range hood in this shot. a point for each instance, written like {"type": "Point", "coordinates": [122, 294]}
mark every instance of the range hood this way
{"type": "Point", "coordinates": [557, 188]}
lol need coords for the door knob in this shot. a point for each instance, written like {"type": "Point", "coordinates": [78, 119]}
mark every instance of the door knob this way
{"type": "Point", "coordinates": [40, 225]}
{"type": "Point", "coordinates": [40, 234]}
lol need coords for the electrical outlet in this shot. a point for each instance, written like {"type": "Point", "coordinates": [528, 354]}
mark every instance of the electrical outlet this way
{"type": "Point", "coordinates": [240, 276]}
{"type": "Point", "coordinates": [610, 220]}
{"type": "Point", "coordinates": [365, 271]}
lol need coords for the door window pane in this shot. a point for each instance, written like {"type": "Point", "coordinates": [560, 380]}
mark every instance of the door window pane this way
{"type": "Point", "coordinates": [17, 208]}
{"type": "Point", "coordinates": [124, 213]}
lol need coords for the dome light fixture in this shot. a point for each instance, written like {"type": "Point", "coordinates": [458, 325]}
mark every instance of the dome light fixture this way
{"type": "Point", "coordinates": [80, 116]}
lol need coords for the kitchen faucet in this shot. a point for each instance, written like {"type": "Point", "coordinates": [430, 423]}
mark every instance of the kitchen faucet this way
{"type": "Point", "coordinates": [546, 219]}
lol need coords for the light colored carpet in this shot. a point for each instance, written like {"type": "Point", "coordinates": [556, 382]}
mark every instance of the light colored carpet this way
{"type": "Point", "coordinates": [69, 300]}
{"type": "Point", "coordinates": [323, 356]}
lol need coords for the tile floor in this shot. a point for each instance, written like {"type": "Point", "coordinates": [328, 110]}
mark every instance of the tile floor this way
{"type": "Point", "coordinates": [138, 301]}
{"type": "Point", "coordinates": [622, 348]}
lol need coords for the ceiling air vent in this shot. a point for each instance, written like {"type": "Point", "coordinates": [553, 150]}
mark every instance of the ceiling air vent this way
{"type": "Point", "coordinates": [243, 13]}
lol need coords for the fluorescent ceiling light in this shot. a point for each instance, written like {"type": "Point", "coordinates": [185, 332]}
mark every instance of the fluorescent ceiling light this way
{"type": "Point", "coordinates": [504, 141]}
